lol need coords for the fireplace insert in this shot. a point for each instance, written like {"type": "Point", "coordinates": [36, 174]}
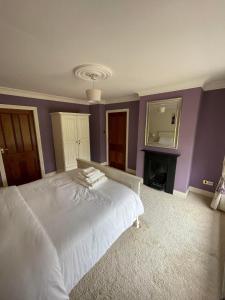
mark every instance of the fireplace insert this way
{"type": "Point", "coordinates": [159, 170]}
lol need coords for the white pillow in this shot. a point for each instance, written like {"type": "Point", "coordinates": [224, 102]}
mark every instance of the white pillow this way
{"type": "Point", "coordinates": [164, 140]}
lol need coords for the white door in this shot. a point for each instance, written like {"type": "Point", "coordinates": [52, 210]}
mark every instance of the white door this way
{"type": "Point", "coordinates": [83, 137]}
{"type": "Point", "coordinates": [70, 142]}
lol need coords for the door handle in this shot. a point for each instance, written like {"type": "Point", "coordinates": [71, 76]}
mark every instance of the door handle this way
{"type": "Point", "coordinates": [3, 150]}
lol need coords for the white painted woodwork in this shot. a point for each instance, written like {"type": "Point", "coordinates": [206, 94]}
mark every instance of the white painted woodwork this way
{"type": "Point", "coordinates": [71, 139]}
{"type": "Point", "coordinates": [83, 137]}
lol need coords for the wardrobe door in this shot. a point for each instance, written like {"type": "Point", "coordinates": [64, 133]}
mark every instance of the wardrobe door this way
{"type": "Point", "coordinates": [70, 144]}
{"type": "Point", "coordinates": [83, 137]}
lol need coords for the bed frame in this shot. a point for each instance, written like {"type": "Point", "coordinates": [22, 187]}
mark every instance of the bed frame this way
{"type": "Point", "coordinates": [132, 181]}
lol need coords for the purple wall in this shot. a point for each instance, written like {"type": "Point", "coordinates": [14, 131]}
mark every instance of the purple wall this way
{"type": "Point", "coordinates": [97, 126]}
{"type": "Point", "coordinates": [97, 133]}
{"type": "Point", "coordinates": [44, 109]}
{"type": "Point", "coordinates": [201, 157]}
{"type": "Point", "coordinates": [98, 130]}
{"type": "Point", "coordinates": [191, 99]}
{"type": "Point", "coordinates": [210, 140]}
{"type": "Point", "coordinates": [133, 107]}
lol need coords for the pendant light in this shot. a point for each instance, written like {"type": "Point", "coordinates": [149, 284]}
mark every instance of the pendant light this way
{"type": "Point", "coordinates": [93, 95]}
{"type": "Point", "coordinates": [93, 72]}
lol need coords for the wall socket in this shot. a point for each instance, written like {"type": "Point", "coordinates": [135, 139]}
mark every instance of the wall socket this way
{"type": "Point", "coordinates": [207, 182]}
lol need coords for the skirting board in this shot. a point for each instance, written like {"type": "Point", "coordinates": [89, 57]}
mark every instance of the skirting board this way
{"type": "Point", "coordinates": [181, 194]}
{"type": "Point", "coordinates": [50, 174]}
{"type": "Point", "coordinates": [201, 192]}
{"type": "Point", "coordinates": [131, 171]}
{"type": "Point", "coordinates": [104, 163]}
{"type": "Point", "coordinates": [193, 190]}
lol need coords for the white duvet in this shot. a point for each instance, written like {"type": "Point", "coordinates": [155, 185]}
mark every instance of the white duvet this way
{"type": "Point", "coordinates": [78, 226]}
{"type": "Point", "coordinates": [29, 264]}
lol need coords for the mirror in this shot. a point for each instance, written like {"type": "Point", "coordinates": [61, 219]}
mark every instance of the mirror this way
{"type": "Point", "coordinates": [162, 123]}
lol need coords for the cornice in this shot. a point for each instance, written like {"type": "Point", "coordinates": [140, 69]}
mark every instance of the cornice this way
{"type": "Point", "coordinates": [133, 97]}
{"type": "Point", "coordinates": [206, 85]}
{"type": "Point", "coordinates": [172, 87]}
{"type": "Point", "coordinates": [38, 95]}
{"type": "Point", "coordinates": [214, 85]}
{"type": "Point", "coordinates": [49, 97]}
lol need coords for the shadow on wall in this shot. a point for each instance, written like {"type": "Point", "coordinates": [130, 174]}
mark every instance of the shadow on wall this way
{"type": "Point", "coordinates": [210, 142]}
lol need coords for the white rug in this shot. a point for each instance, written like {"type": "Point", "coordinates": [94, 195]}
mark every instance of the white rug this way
{"type": "Point", "coordinates": [176, 254]}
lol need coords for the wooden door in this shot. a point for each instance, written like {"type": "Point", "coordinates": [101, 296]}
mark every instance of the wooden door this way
{"type": "Point", "coordinates": [70, 141]}
{"type": "Point", "coordinates": [83, 137]}
{"type": "Point", "coordinates": [117, 127]}
{"type": "Point", "coordinates": [19, 146]}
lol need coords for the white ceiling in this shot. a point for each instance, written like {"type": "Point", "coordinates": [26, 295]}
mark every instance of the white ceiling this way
{"type": "Point", "coordinates": [147, 44]}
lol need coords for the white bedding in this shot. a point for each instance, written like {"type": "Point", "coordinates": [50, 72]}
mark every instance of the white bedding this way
{"type": "Point", "coordinates": [29, 264]}
{"type": "Point", "coordinates": [81, 223]}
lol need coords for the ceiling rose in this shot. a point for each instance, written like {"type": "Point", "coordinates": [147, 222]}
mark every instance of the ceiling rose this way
{"type": "Point", "coordinates": [90, 71]}
{"type": "Point", "coordinates": [93, 72]}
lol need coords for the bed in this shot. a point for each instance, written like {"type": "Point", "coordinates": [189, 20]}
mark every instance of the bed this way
{"type": "Point", "coordinates": [54, 230]}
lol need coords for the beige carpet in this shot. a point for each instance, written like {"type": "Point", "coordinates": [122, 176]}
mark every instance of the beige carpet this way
{"type": "Point", "coordinates": [176, 254]}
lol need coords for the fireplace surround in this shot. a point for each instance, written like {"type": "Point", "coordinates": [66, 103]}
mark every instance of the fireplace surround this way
{"type": "Point", "coordinates": [159, 170]}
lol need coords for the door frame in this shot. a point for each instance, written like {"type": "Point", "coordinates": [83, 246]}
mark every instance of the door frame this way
{"type": "Point", "coordinates": [38, 137]}
{"type": "Point", "coordinates": [127, 134]}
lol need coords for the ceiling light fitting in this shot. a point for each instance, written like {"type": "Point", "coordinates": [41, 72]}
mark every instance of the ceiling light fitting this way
{"type": "Point", "coordinates": [93, 72]}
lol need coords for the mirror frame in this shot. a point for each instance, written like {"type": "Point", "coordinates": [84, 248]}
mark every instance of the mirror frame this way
{"type": "Point", "coordinates": [177, 125]}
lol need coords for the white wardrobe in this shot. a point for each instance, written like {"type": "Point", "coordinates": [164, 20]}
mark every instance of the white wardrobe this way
{"type": "Point", "coordinates": [71, 139]}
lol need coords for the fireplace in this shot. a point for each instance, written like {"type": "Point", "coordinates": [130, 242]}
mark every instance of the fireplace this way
{"type": "Point", "coordinates": [159, 170]}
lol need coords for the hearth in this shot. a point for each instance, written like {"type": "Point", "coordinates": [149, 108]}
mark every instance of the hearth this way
{"type": "Point", "coordinates": [159, 170]}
